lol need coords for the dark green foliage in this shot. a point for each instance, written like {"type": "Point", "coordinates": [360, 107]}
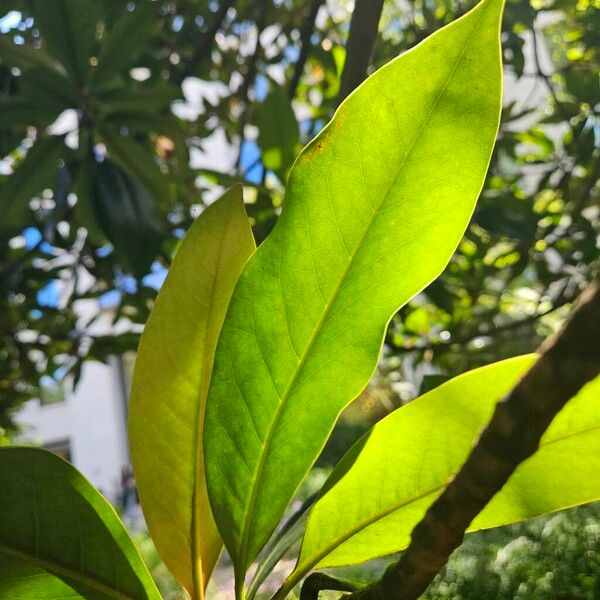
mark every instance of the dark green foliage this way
{"type": "Point", "coordinates": [551, 557]}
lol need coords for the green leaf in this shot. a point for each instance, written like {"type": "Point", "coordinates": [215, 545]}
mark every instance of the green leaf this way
{"type": "Point", "coordinates": [373, 211]}
{"type": "Point", "coordinates": [137, 159]}
{"type": "Point", "coordinates": [125, 41]}
{"type": "Point", "coordinates": [279, 135]}
{"type": "Point", "coordinates": [86, 213]}
{"type": "Point", "coordinates": [383, 486]}
{"type": "Point", "coordinates": [133, 100]}
{"type": "Point", "coordinates": [170, 382]}
{"type": "Point", "coordinates": [15, 111]}
{"type": "Point", "coordinates": [69, 32]}
{"type": "Point", "coordinates": [49, 92]}
{"type": "Point", "coordinates": [36, 172]}
{"type": "Point", "coordinates": [59, 538]}
{"type": "Point", "coordinates": [126, 213]}
{"type": "Point", "coordinates": [24, 57]}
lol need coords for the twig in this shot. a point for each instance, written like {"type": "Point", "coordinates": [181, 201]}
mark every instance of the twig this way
{"type": "Point", "coordinates": [305, 46]}
{"type": "Point", "coordinates": [463, 341]}
{"type": "Point", "coordinates": [566, 364]}
{"type": "Point", "coordinates": [361, 39]}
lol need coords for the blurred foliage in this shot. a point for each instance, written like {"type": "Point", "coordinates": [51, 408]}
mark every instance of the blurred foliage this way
{"type": "Point", "coordinates": [120, 118]}
{"type": "Point", "coordinates": [549, 558]}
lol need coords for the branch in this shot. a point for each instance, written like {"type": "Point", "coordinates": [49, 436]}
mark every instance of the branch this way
{"type": "Point", "coordinates": [361, 39]}
{"type": "Point", "coordinates": [566, 364]}
{"type": "Point", "coordinates": [205, 41]}
{"type": "Point", "coordinates": [305, 46]}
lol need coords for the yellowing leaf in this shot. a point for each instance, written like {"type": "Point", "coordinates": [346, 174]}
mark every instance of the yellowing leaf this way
{"type": "Point", "coordinates": [171, 377]}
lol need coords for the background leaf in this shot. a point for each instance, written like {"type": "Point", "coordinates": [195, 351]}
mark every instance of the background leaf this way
{"type": "Point", "coordinates": [36, 172]}
{"type": "Point", "coordinates": [168, 398]}
{"type": "Point", "coordinates": [126, 213]}
{"type": "Point", "coordinates": [278, 136]}
{"type": "Point", "coordinates": [373, 212]}
{"type": "Point", "coordinates": [136, 158]}
{"type": "Point", "coordinates": [385, 483]}
{"type": "Point", "coordinates": [59, 538]}
{"type": "Point", "coordinates": [26, 58]}
{"type": "Point", "coordinates": [69, 30]}
{"type": "Point", "coordinates": [125, 41]}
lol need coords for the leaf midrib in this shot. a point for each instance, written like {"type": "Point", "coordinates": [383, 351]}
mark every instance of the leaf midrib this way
{"type": "Point", "coordinates": [62, 570]}
{"type": "Point", "coordinates": [207, 363]}
{"type": "Point", "coordinates": [316, 332]}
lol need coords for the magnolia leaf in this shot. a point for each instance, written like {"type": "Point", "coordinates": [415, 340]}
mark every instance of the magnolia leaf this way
{"type": "Point", "coordinates": [383, 486]}
{"type": "Point", "coordinates": [170, 382]}
{"type": "Point", "coordinates": [59, 538]}
{"type": "Point", "coordinates": [373, 211]}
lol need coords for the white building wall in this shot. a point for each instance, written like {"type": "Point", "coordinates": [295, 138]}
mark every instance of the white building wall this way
{"type": "Point", "coordinates": [92, 419]}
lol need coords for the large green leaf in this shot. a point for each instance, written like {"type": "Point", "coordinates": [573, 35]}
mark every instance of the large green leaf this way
{"type": "Point", "coordinates": [59, 538]}
{"type": "Point", "coordinates": [373, 211]}
{"type": "Point", "coordinates": [171, 377]}
{"type": "Point", "coordinates": [382, 487]}
{"type": "Point", "coordinates": [36, 172]}
{"type": "Point", "coordinates": [69, 32]}
{"type": "Point", "coordinates": [126, 213]}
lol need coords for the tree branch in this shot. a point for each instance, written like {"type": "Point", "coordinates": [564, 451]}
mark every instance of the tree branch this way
{"type": "Point", "coordinates": [305, 46]}
{"type": "Point", "coordinates": [205, 41]}
{"type": "Point", "coordinates": [566, 364]}
{"type": "Point", "coordinates": [361, 39]}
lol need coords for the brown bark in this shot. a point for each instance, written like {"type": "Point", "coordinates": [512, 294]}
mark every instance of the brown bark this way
{"type": "Point", "coordinates": [566, 364]}
{"type": "Point", "coordinates": [361, 39]}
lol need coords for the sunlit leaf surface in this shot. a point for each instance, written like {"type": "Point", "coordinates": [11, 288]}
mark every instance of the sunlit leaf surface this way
{"type": "Point", "coordinates": [374, 208]}
{"type": "Point", "coordinates": [171, 377]}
